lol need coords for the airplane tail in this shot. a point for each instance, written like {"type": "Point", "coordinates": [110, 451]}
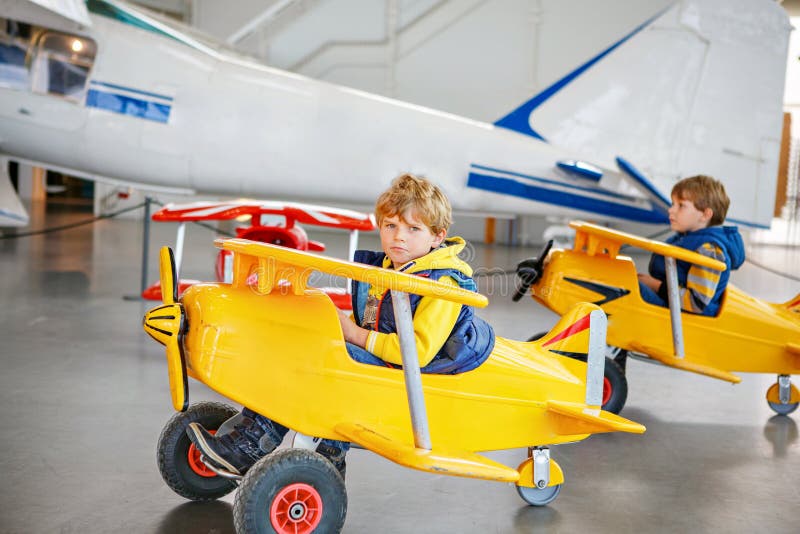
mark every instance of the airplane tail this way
{"type": "Point", "coordinates": [570, 335]}
{"type": "Point", "coordinates": [12, 212]}
{"type": "Point", "coordinates": [793, 304]}
{"type": "Point", "coordinates": [678, 80]}
{"type": "Point", "coordinates": [581, 334]}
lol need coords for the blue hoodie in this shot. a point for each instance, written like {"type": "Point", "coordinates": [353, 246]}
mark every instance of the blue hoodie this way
{"type": "Point", "coordinates": [723, 243]}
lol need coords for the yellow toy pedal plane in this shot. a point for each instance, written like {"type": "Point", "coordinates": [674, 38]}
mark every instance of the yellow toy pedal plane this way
{"type": "Point", "coordinates": [748, 335]}
{"type": "Point", "coordinates": [268, 334]}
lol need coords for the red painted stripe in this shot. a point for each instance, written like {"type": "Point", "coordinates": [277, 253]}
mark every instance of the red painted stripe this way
{"type": "Point", "coordinates": [574, 328]}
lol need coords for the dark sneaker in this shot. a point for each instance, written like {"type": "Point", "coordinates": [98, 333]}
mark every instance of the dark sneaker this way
{"type": "Point", "coordinates": [335, 456]}
{"type": "Point", "coordinates": [232, 452]}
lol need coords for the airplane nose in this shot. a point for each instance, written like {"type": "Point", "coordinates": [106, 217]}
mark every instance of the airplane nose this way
{"type": "Point", "coordinates": [164, 322]}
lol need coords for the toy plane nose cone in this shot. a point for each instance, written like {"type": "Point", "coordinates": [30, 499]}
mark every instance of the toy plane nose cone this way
{"type": "Point", "coordinates": [163, 323]}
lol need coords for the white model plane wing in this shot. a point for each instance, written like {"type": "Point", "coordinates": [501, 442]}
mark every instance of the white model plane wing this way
{"type": "Point", "coordinates": [69, 15]}
{"type": "Point", "coordinates": [12, 212]}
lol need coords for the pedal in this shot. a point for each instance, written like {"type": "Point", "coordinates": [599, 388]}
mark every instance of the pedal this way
{"type": "Point", "coordinates": [224, 473]}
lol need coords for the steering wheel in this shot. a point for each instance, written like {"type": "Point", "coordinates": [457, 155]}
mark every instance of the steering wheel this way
{"type": "Point", "coordinates": [529, 271]}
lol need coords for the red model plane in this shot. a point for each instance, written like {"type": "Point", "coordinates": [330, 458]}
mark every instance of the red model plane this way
{"type": "Point", "coordinates": [286, 232]}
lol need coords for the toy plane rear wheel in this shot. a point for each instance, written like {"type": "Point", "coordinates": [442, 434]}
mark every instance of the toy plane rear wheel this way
{"type": "Point", "coordinates": [539, 497]}
{"type": "Point", "coordinates": [783, 408]}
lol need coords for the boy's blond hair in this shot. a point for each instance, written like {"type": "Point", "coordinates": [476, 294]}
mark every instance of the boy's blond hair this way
{"type": "Point", "coordinates": [409, 192]}
{"type": "Point", "coordinates": [704, 192]}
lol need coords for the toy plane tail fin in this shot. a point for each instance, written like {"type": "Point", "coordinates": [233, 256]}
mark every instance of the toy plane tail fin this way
{"type": "Point", "coordinates": [570, 335]}
{"type": "Point", "coordinates": [793, 304]}
{"type": "Point", "coordinates": [581, 334]}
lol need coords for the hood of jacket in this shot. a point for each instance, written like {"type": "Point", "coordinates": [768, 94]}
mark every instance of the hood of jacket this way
{"type": "Point", "coordinates": [727, 237]}
{"type": "Point", "coordinates": [443, 257]}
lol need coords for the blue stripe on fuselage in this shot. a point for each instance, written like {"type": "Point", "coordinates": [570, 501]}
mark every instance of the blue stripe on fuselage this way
{"type": "Point", "coordinates": [509, 186]}
{"type": "Point", "coordinates": [512, 174]}
{"type": "Point", "coordinates": [106, 86]}
{"type": "Point", "coordinates": [128, 105]}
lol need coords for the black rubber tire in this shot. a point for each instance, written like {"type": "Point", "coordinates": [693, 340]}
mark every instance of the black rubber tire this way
{"type": "Point", "coordinates": [614, 374]}
{"type": "Point", "coordinates": [173, 452]}
{"type": "Point", "coordinates": [265, 480]}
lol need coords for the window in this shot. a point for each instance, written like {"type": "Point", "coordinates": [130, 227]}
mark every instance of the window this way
{"type": "Point", "coordinates": [44, 61]}
{"type": "Point", "coordinates": [14, 44]}
{"type": "Point", "coordinates": [62, 65]}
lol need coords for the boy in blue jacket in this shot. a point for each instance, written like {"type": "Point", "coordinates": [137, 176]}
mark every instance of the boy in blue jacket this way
{"type": "Point", "coordinates": [413, 216]}
{"type": "Point", "coordinates": [699, 206]}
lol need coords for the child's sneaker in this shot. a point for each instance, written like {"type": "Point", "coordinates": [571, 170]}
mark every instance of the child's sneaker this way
{"type": "Point", "coordinates": [233, 452]}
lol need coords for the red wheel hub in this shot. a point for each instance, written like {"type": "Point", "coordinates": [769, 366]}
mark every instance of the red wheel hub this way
{"type": "Point", "coordinates": [607, 390]}
{"type": "Point", "coordinates": [296, 509]}
{"type": "Point", "coordinates": [197, 464]}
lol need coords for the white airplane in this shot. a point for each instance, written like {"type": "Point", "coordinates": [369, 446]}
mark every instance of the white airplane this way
{"type": "Point", "coordinates": [122, 96]}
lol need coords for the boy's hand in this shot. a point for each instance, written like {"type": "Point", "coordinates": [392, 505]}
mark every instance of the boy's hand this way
{"type": "Point", "coordinates": [352, 332]}
{"type": "Point", "coordinates": [649, 281]}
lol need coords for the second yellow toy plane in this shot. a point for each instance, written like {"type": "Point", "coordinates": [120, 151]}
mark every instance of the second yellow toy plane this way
{"type": "Point", "coordinates": [268, 336]}
{"type": "Point", "coordinates": [748, 335]}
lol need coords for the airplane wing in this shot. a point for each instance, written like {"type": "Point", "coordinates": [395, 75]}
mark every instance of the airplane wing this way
{"type": "Point", "coordinates": [67, 15]}
{"type": "Point", "coordinates": [12, 212]}
{"type": "Point", "coordinates": [449, 462]}
{"type": "Point", "coordinates": [682, 363]}
{"type": "Point", "coordinates": [276, 265]}
{"type": "Point", "coordinates": [598, 240]}
{"type": "Point", "coordinates": [302, 213]}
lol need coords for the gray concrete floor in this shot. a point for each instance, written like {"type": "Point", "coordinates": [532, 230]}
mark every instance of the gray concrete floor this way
{"type": "Point", "coordinates": [84, 396]}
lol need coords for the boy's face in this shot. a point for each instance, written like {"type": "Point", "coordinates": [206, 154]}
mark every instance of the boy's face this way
{"type": "Point", "coordinates": [685, 217]}
{"type": "Point", "coordinates": [405, 238]}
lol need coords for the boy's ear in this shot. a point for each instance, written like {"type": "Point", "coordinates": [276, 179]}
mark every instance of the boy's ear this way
{"type": "Point", "coordinates": [439, 238]}
{"type": "Point", "coordinates": [707, 214]}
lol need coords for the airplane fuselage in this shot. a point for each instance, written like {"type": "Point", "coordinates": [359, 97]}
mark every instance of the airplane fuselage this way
{"type": "Point", "coordinates": [180, 115]}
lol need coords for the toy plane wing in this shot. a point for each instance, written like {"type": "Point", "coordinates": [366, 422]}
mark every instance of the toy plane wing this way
{"type": "Point", "coordinates": [278, 266]}
{"type": "Point", "coordinates": [294, 211]}
{"type": "Point", "coordinates": [682, 363]}
{"type": "Point", "coordinates": [448, 462]}
{"type": "Point", "coordinates": [598, 240]}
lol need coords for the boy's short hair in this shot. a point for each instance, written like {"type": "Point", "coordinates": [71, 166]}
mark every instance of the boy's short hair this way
{"type": "Point", "coordinates": [418, 194]}
{"type": "Point", "coordinates": [704, 192]}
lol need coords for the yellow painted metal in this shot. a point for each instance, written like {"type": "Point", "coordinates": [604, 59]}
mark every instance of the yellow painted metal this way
{"type": "Point", "coordinates": [289, 269]}
{"type": "Point", "coordinates": [274, 344]}
{"type": "Point", "coordinates": [525, 470]}
{"type": "Point", "coordinates": [568, 417]}
{"type": "Point", "coordinates": [445, 462]}
{"type": "Point", "coordinates": [599, 240]}
{"type": "Point", "coordinates": [773, 394]}
{"type": "Point", "coordinates": [748, 335]}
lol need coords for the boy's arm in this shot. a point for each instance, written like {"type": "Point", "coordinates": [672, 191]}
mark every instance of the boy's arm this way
{"type": "Point", "coordinates": [433, 321]}
{"type": "Point", "coordinates": [701, 282]}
